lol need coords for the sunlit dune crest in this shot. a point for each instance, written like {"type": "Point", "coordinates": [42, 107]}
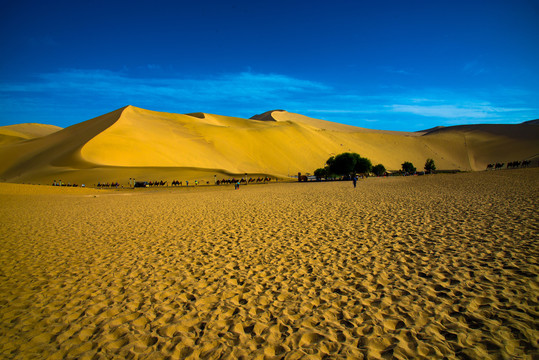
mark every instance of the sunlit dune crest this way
{"type": "Point", "coordinates": [136, 142]}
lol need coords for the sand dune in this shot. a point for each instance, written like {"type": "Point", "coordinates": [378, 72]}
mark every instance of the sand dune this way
{"type": "Point", "coordinates": [484, 143]}
{"type": "Point", "coordinates": [441, 266]}
{"type": "Point", "coordinates": [19, 132]}
{"type": "Point", "coordinates": [41, 158]}
{"type": "Point", "coordinates": [277, 143]}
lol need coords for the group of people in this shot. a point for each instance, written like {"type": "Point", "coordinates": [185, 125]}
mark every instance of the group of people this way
{"type": "Point", "coordinates": [180, 183]}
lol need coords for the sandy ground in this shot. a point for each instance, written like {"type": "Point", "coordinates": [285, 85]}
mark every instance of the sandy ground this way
{"type": "Point", "coordinates": [417, 267]}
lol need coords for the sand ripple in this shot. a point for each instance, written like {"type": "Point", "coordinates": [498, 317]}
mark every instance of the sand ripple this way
{"type": "Point", "coordinates": [424, 267]}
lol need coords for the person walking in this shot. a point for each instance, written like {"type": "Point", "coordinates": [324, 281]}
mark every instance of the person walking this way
{"type": "Point", "coordinates": [354, 180]}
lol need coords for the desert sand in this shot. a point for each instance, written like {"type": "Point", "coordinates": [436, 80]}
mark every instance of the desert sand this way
{"type": "Point", "coordinates": [438, 266]}
{"type": "Point", "coordinates": [150, 145]}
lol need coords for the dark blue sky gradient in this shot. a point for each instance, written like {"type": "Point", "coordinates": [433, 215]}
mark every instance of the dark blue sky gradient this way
{"type": "Point", "coordinates": [401, 65]}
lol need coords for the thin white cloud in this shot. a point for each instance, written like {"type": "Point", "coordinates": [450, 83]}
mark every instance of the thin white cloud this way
{"type": "Point", "coordinates": [475, 111]}
{"type": "Point", "coordinates": [98, 83]}
{"type": "Point", "coordinates": [443, 111]}
{"type": "Point", "coordinates": [75, 93]}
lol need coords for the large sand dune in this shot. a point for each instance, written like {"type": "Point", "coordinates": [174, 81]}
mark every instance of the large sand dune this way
{"type": "Point", "coordinates": [431, 267]}
{"type": "Point", "coordinates": [148, 145]}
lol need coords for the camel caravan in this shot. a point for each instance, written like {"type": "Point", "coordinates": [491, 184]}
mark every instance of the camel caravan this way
{"type": "Point", "coordinates": [243, 180]}
{"type": "Point", "coordinates": [510, 165]}
{"type": "Point", "coordinates": [60, 183]}
{"type": "Point", "coordinates": [175, 183]}
{"type": "Point", "coordinates": [108, 185]}
{"type": "Point", "coordinates": [150, 183]}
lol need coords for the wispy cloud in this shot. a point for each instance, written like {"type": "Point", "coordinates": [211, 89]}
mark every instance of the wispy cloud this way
{"type": "Point", "coordinates": [442, 111]}
{"type": "Point", "coordinates": [119, 85]}
{"type": "Point", "coordinates": [75, 95]}
{"type": "Point", "coordinates": [458, 113]}
{"type": "Point", "coordinates": [247, 93]}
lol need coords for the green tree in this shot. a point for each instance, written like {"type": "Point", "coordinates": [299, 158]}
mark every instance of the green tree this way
{"type": "Point", "coordinates": [348, 163]}
{"type": "Point", "coordinates": [330, 162]}
{"type": "Point", "coordinates": [379, 170]}
{"type": "Point", "coordinates": [408, 167]}
{"type": "Point", "coordinates": [430, 166]}
{"type": "Point", "coordinates": [342, 164]}
{"type": "Point", "coordinates": [321, 173]}
{"type": "Point", "coordinates": [363, 165]}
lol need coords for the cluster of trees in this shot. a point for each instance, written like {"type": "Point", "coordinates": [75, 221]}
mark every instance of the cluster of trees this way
{"type": "Point", "coordinates": [346, 164]}
{"type": "Point", "coordinates": [409, 168]}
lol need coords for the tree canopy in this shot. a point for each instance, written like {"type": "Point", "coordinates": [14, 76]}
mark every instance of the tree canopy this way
{"type": "Point", "coordinates": [348, 163]}
{"type": "Point", "coordinates": [363, 165]}
{"type": "Point", "coordinates": [321, 173]}
{"type": "Point", "coordinates": [429, 165]}
{"type": "Point", "coordinates": [408, 167]}
{"type": "Point", "coordinates": [379, 170]}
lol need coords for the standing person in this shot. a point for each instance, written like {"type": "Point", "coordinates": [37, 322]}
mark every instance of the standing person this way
{"type": "Point", "coordinates": [354, 180]}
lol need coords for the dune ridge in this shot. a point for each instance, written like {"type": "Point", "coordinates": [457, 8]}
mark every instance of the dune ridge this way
{"type": "Point", "coordinates": [267, 116]}
{"type": "Point", "coordinates": [59, 150]}
{"type": "Point", "coordinates": [276, 143]}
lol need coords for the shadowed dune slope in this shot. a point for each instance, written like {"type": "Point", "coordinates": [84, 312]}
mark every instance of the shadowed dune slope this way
{"type": "Point", "coordinates": [278, 143]}
{"type": "Point", "coordinates": [43, 156]}
{"type": "Point", "coordinates": [489, 143]}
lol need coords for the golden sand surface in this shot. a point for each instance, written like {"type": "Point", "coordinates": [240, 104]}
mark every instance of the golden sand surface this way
{"type": "Point", "coordinates": [405, 267]}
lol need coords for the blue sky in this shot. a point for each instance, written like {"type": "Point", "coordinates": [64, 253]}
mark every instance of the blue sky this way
{"type": "Point", "coordinates": [395, 65]}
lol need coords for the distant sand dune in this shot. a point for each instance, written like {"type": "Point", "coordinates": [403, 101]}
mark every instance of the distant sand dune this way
{"type": "Point", "coordinates": [277, 143]}
{"type": "Point", "coordinates": [441, 266]}
{"type": "Point", "coordinates": [15, 133]}
{"type": "Point", "coordinates": [484, 143]}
